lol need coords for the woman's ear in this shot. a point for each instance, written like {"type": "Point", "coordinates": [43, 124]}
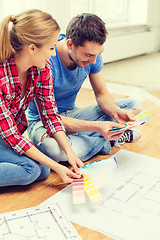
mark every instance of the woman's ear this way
{"type": "Point", "coordinates": [69, 44]}
{"type": "Point", "coordinates": [32, 48]}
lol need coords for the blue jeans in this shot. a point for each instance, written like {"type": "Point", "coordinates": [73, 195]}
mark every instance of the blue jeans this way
{"type": "Point", "coordinates": [19, 169]}
{"type": "Point", "coordinates": [84, 144]}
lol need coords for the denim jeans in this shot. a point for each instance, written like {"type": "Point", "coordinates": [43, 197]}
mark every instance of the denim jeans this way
{"type": "Point", "coordinates": [84, 144]}
{"type": "Point", "coordinates": [19, 169]}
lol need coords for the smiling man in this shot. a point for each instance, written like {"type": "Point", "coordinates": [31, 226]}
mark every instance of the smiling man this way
{"type": "Point", "coordinates": [78, 55]}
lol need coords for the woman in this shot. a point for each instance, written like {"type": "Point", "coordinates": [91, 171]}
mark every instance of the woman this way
{"type": "Point", "coordinates": [25, 74]}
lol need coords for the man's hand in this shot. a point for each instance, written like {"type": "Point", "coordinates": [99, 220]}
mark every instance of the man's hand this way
{"type": "Point", "coordinates": [122, 116]}
{"type": "Point", "coordinates": [105, 128]}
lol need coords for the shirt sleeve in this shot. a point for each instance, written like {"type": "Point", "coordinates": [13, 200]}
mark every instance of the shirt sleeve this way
{"type": "Point", "coordinates": [97, 67]}
{"type": "Point", "coordinates": [9, 131]}
{"type": "Point", "coordinates": [47, 106]}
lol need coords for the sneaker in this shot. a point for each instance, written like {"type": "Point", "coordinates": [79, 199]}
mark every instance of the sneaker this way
{"type": "Point", "coordinates": [130, 136]}
{"type": "Point", "coordinates": [127, 137]}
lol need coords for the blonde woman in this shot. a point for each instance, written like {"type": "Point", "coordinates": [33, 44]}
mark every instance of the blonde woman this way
{"type": "Point", "coordinates": [25, 75]}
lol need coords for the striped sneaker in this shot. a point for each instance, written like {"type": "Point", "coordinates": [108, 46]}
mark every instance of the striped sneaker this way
{"type": "Point", "coordinates": [127, 137]}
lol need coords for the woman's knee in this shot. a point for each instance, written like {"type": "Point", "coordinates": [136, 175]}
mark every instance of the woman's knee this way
{"type": "Point", "coordinates": [45, 171]}
{"type": "Point", "coordinates": [16, 174]}
{"type": "Point", "coordinates": [32, 175]}
{"type": "Point", "coordinates": [37, 172]}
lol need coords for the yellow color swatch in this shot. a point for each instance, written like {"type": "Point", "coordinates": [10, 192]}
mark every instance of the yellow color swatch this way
{"type": "Point", "coordinates": [91, 190]}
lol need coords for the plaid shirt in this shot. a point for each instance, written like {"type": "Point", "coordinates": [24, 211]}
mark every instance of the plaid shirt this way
{"type": "Point", "coordinates": [13, 121]}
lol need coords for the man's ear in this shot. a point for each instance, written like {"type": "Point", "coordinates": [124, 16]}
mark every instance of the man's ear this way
{"type": "Point", "coordinates": [32, 48]}
{"type": "Point", "coordinates": [69, 44]}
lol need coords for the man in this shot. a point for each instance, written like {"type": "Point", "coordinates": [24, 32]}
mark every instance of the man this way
{"type": "Point", "coordinates": [78, 55]}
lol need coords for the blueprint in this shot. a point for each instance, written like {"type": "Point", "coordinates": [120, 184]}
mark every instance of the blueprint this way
{"type": "Point", "coordinates": [130, 209]}
{"type": "Point", "coordinates": [38, 223]}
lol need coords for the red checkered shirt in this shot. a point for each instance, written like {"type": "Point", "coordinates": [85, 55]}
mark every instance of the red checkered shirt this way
{"type": "Point", "coordinates": [13, 120]}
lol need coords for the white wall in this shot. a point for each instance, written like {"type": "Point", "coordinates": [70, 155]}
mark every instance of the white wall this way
{"type": "Point", "coordinates": [121, 43]}
{"type": "Point", "coordinates": [128, 42]}
{"type": "Point", "coordinates": [59, 9]}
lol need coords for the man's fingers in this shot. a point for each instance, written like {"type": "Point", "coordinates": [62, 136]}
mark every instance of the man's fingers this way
{"type": "Point", "coordinates": [131, 116]}
{"type": "Point", "coordinates": [117, 136]}
{"type": "Point", "coordinates": [118, 125]}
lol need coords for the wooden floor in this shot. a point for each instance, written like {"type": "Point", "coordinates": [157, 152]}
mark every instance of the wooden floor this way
{"type": "Point", "coordinates": [14, 198]}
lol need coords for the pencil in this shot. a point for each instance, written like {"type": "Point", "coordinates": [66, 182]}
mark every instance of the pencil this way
{"type": "Point", "coordinates": [57, 184]}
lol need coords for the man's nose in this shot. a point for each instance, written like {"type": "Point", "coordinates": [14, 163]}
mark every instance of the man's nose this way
{"type": "Point", "coordinates": [93, 59]}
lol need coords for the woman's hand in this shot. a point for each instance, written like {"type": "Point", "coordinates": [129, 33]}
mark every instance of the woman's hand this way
{"type": "Point", "coordinates": [66, 174]}
{"type": "Point", "coordinates": [74, 161]}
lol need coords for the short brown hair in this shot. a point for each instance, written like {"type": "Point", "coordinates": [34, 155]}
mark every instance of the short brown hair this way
{"type": "Point", "coordinates": [86, 27]}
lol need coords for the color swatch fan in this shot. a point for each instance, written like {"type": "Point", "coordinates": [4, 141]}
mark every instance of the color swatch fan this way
{"type": "Point", "coordinates": [78, 194]}
{"type": "Point", "coordinates": [100, 172]}
{"type": "Point", "coordinates": [93, 176]}
{"type": "Point", "coordinates": [140, 119]}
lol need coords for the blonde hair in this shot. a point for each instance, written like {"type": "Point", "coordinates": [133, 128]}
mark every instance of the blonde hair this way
{"type": "Point", "coordinates": [32, 26]}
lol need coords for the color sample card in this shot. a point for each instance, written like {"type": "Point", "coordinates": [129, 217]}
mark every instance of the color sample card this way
{"type": "Point", "coordinates": [145, 114]}
{"type": "Point", "coordinates": [97, 172]}
{"type": "Point", "coordinates": [105, 163]}
{"type": "Point", "coordinates": [140, 119]}
{"type": "Point", "coordinates": [78, 195]}
{"type": "Point", "coordinates": [100, 172]}
{"type": "Point", "coordinates": [91, 190]}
